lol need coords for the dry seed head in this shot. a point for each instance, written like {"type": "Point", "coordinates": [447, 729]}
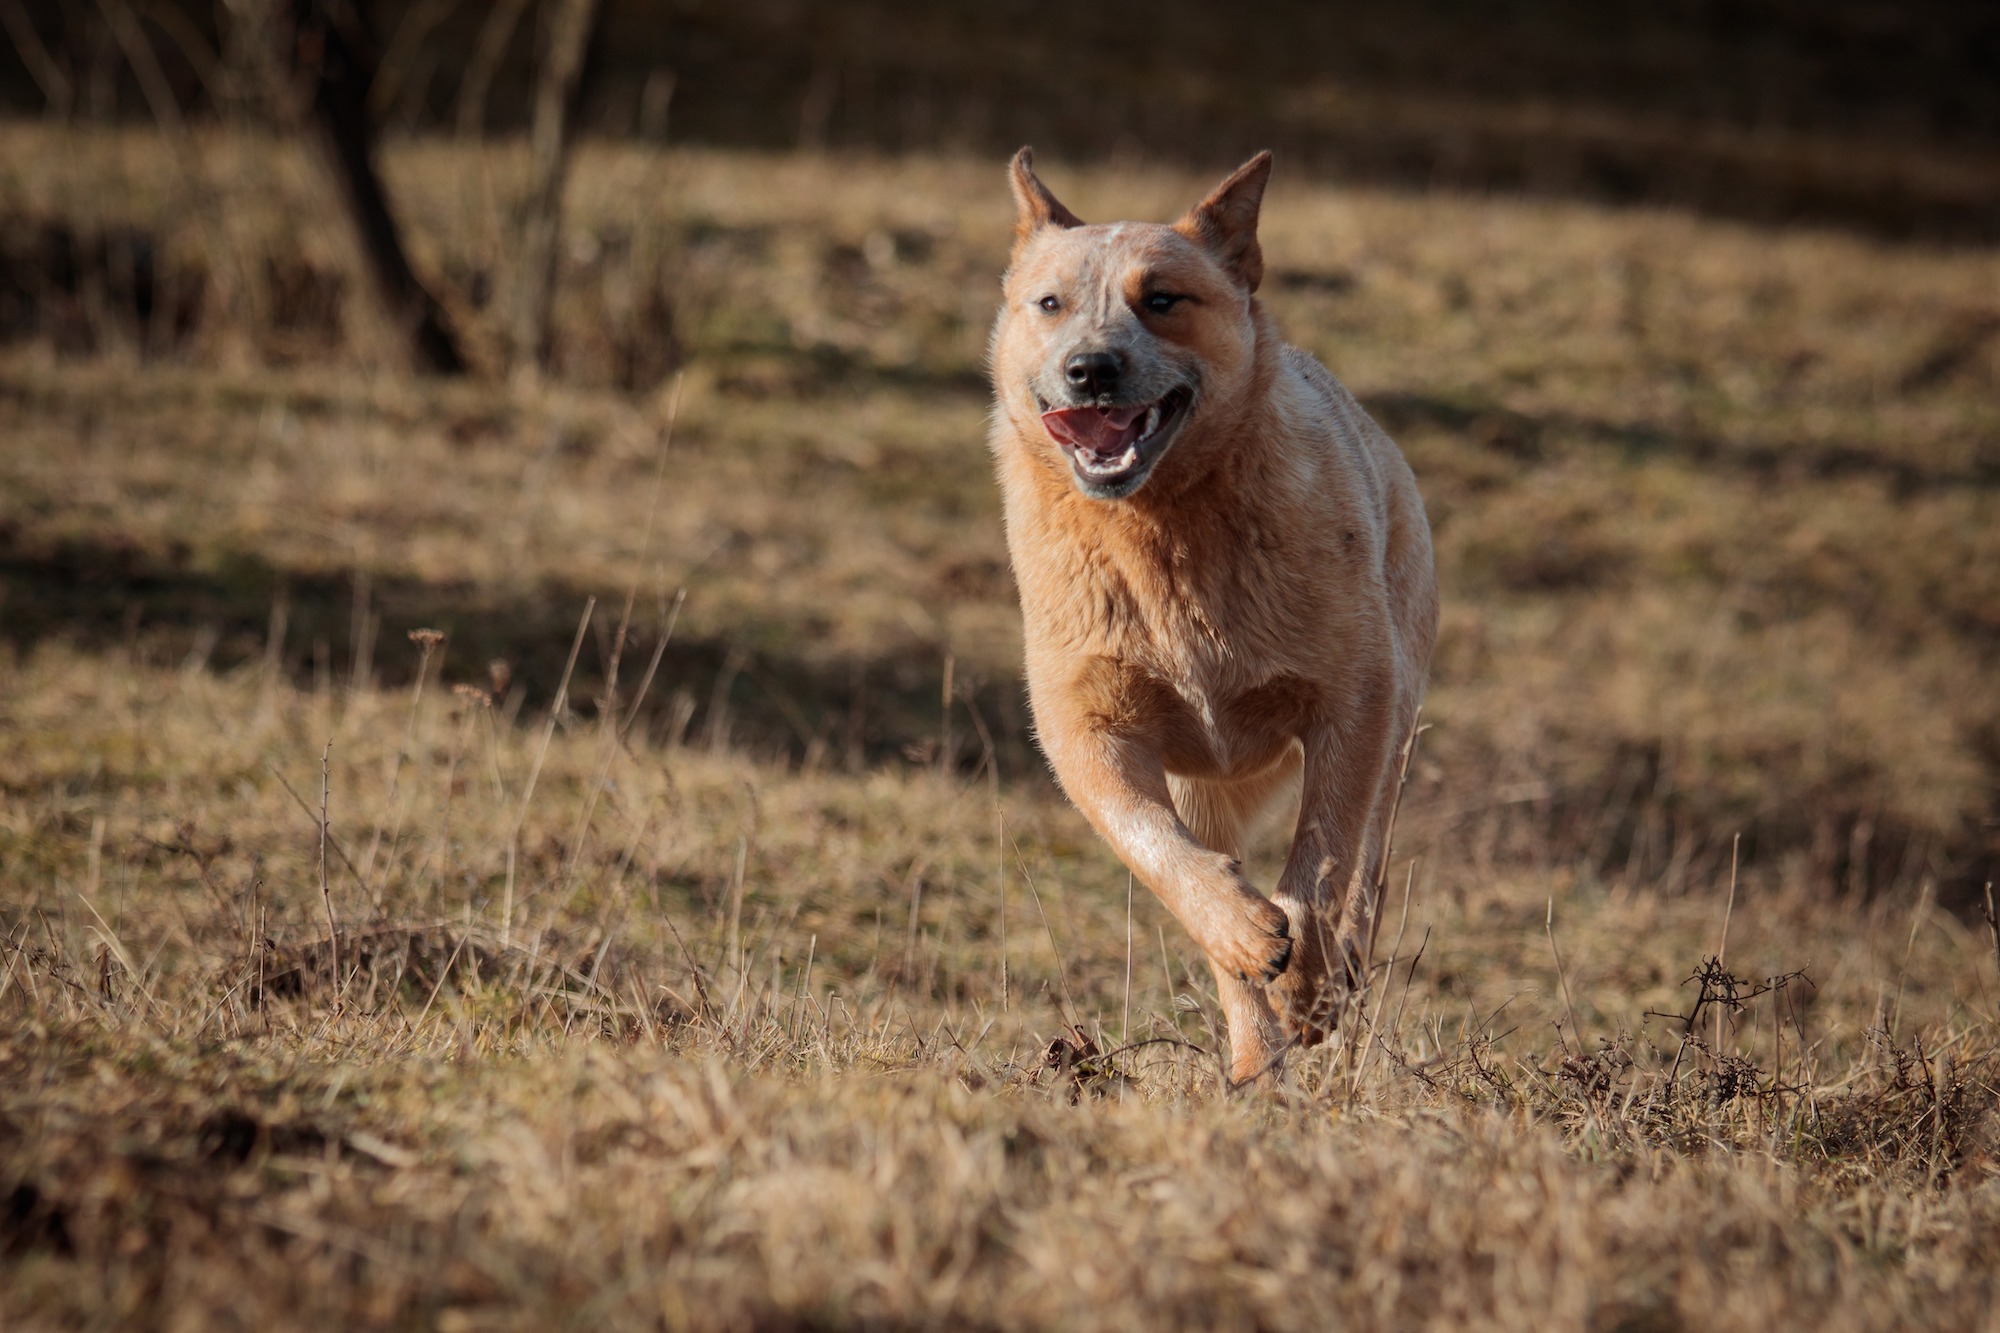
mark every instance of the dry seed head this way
{"type": "Point", "coordinates": [501, 674]}
{"type": "Point", "coordinates": [426, 638]}
{"type": "Point", "coordinates": [473, 695]}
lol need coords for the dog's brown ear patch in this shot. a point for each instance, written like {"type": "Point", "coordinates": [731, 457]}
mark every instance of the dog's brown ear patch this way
{"type": "Point", "coordinates": [1225, 223]}
{"type": "Point", "coordinates": [1037, 207]}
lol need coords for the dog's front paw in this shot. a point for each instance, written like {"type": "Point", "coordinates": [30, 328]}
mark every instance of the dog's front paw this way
{"type": "Point", "coordinates": [1255, 943]}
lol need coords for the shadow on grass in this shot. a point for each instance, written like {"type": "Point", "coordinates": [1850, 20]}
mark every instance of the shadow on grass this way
{"type": "Point", "coordinates": [1525, 435]}
{"type": "Point", "coordinates": [107, 596]}
{"type": "Point", "coordinates": [323, 630]}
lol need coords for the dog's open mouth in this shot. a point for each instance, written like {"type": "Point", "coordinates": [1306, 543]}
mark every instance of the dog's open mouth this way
{"type": "Point", "coordinates": [1112, 448]}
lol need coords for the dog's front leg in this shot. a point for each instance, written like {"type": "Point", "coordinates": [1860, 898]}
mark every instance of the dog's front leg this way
{"type": "Point", "coordinates": [1120, 784]}
{"type": "Point", "coordinates": [1328, 885]}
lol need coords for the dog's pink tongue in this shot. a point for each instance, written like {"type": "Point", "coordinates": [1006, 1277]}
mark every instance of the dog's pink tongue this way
{"type": "Point", "coordinates": [1101, 430]}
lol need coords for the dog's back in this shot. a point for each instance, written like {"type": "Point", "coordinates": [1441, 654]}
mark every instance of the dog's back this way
{"type": "Point", "coordinates": [1408, 567]}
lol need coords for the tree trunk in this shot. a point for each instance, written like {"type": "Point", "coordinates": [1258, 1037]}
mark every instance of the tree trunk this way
{"type": "Point", "coordinates": [324, 50]}
{"type": "Point", "coordinates": [541, 221]}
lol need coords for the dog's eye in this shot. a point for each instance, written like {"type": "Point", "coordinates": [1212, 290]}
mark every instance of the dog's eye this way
{"type": "Point", "coordinates": [1050, 304]}
{"type": "Point", "coordinates": [1159, 303]}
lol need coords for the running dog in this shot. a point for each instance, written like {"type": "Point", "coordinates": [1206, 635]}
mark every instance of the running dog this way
{"type": "Point", "coordinates": [1226, 587]}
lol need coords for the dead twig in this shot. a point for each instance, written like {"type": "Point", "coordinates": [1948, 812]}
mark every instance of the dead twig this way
{"type": "Point", "coordinates": [553, 130]}
{"type": "Point", "coordinates": [1993, 926]}
{"type": "Point", "coordinates": [535, 773]}
{"type": "Point", "coordinates": [332, 841]}
{"type": "Point", "coordinates": [325, 891]}
{"type": "Point", "coordinates": [1728, 910]}
{"type": "Point", "coordinates": [1375, 1020]}
{"type": "Point", "coordinates": [1562, 978]}
{"type": "Point", "coordinates": [1389, 830]}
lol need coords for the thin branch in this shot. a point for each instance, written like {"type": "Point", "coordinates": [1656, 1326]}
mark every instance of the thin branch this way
{"type": "Point", "coordinates": [325, 891]}
{"type": "Point", "coordinates": [1389, 831]}
{"type": "Point", "coordinates": [1375, 1020]}
{"type": "Point", "coordinates": [553, 131]}
{"type": "Point", "coordinates": [535, 773]}
{"type": "Point", "coordinates": [1561, 977]}
{"type": "Point", "coordinates": [1728, 910]}
{"type": "Point", "coordinates": [1062, 973]}
{"type": "Point", "coordinates": [56, 87]}
{"type": "Point", "coordinates": [1993, 925]}
{"type": "Point", "coordinates": [487, 54]}
{"type": "Point", "coordinates": [333, 842]}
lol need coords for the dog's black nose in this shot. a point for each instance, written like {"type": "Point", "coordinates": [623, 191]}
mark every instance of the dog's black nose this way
{"type": "Point", "coordinates": [1094, 372]}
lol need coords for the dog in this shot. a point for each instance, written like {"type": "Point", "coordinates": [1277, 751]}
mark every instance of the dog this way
{"type": "Point", "coordinates": [1227, 590]}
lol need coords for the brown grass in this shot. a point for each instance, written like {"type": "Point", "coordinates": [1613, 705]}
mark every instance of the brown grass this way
{"type": "Point", "coordinates": [803, 1002]}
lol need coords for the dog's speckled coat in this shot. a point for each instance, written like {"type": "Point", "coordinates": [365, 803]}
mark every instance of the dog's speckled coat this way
{"type": "Point", "coordinates": [1246, 611]}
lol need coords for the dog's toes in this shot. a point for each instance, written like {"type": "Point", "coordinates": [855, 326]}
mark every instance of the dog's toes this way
{"type": "Point", "coordinates": [1308, 1008]}
{"type": "Point", "coordinates": [1310, 998]}
{"type": "Point", "coordinates": [1275, 943]}
{"type": "Point", "coordinates": [1274, 966]}
{"type": "Point", "coordinates": [1262, 948]}
{"type": "Point", "coordinates": [1279, 961]}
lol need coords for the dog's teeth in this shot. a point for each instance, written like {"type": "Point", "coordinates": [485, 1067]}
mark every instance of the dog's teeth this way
{"type": "Point", "coordinates": [1105, 467]}
{"type": "Point", "coordinates": [1097, 465]}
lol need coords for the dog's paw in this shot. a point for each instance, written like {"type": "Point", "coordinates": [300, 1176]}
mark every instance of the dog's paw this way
{"type": "Point", "coordinates": [1257, 943]}
{"type": "Point", "coordinates": [1308, 1008]}
{"type": "Point", "coordinates": [1311, 996]}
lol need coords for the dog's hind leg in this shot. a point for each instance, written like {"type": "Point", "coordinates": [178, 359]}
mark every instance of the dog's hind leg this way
{"type": "Point", "coordinates": [1222, 816]}
{"type": "Point", "coordinates": [1328, 887]}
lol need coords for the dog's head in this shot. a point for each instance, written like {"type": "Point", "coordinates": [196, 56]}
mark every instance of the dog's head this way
{"type": "Point", "coordinates": [1117, 341]}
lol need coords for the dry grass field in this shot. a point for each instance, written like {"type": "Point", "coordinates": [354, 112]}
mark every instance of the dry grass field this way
{"type": "Point", "coordinates": [713, 950]}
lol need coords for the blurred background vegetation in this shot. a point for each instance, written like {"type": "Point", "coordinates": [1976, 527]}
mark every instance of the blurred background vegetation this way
{"type": "Point", "coordinates": [1685, 312]}
{"type": "Point", "coordinates": [1879, 116]}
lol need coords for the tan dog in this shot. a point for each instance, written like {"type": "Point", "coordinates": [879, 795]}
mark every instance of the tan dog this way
{"type": "Point", "coordinates": [1226, 584]}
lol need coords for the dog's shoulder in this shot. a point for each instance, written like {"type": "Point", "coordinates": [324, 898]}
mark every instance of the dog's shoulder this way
{"type": "Point", "coordinates": [1325, 409]}
{"type": "Point", "coordinates": [1327, 401]}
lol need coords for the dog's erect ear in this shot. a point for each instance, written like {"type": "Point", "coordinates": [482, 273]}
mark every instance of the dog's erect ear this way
{"type": "Point", "coordinates": [1038, 208]}
{"type": "Point", "coordinates": [1225, 223]}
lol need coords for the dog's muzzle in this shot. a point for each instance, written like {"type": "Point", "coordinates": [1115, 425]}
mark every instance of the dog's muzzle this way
{"type": "Point", "coordinates": [1112, 449]}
